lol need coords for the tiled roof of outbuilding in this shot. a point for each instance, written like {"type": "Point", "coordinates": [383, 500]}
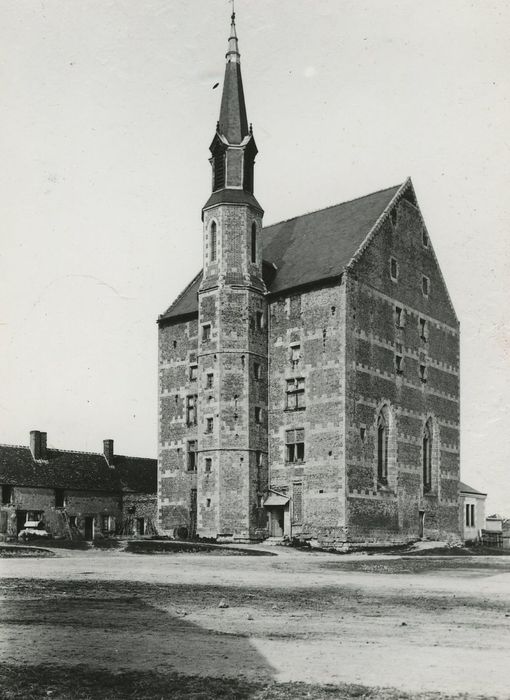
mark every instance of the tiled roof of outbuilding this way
{"type": "Point", "coordinates": [464, 488]}
{"type": "Point", "coordinates": [84, 471]}
{"type": "Point", "coordinates": [307, 249]}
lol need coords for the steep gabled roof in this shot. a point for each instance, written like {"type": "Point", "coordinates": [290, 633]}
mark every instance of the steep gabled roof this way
{"type": "Point", "coordinates": [306, 249]}
{"type": "Point", "coordinates": [464, 488]}
{"type": "Point", "coordinates": [84, 471]}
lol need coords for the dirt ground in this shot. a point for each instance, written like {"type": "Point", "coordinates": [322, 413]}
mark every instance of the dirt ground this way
{"type": "Point", "coordinates": [338, 626]}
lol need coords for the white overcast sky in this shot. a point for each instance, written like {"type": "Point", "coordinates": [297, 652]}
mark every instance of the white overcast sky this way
{"type": "Point", "coordinates": [107, 114]}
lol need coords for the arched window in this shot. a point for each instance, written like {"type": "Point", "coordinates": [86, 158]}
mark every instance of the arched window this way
{"type": "Point", "coordinates": [212, 242]}
{"type": "Point", "coordinates": [254, 243]}
{"type": "Point", "coordinates": [427, 456]}
{"type": "Point", "coordinates": [382, 447]}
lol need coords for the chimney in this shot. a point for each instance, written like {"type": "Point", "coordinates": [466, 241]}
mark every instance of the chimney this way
{"type": "Point", "coordinates": [38, 442]}
{"type": "Point", "coordinates": [108, 451]}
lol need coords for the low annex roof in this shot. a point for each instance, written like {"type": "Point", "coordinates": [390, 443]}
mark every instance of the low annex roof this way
{"type": "Point", "coordinates": [306, 249]}
{"type": "Point", "coordinates": [464, 488]}
{"type": "Point", "coordinates": [84, 471]}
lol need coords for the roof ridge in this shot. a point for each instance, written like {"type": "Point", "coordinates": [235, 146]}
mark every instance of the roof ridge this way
{"type": "Point", "coordinates": [149, 459]}
{"type": "Point", "coordinates": [5, 444]}
{"type": "Point", "coordinates": [338, 204]}
{"type": "Point", "coordinates": [78, 452]}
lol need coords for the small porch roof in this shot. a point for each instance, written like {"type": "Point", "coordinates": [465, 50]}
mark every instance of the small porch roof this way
{"type": "Point", "coordinates": [275, 499]}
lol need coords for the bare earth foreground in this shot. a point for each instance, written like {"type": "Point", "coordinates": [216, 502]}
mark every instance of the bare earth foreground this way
{"type": "Point", "coordinates": [295, 625]}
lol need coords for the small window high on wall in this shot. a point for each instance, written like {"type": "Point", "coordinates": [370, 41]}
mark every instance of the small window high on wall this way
{"type": "Point", "coordinates": [212, 242]}
{"type": "Point", "coordinates": [254, 243]}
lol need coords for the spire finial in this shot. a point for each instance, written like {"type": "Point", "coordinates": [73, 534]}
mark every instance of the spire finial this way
{"type": "Point", "coordinates": [233, 48]}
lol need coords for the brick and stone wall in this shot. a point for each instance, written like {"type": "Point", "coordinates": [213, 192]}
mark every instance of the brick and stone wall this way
{"type": "Point", "coordinates": [391, 512]}
{"type": "Point", "coordinates": [307, 341]}
{"type": "Point", "coordinates": [178, 352]}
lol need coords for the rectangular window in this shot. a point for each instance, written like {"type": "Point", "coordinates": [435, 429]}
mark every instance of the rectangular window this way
{"type": "Point", "coordinates": [206, 332]}
{"type": "Point", "coordinates": [208, 503]}
{"type": "Point", "coordinates": [362, 432]}
{"type": "Point", "coordinates": [6, 494]}
{"type": "Point", "coordinates": [193, 373]}
{"type": "Point", "coordinates": [399, 364]}
{"type": "Point", "coordinates": [209, 382]}
{"type": "Point", "coordinates": [59, 498]}
{"type": "Point", "coordinates": [256, 370]}
{"type": "Point", "coordinates": [425, 285]}
{"type": "Point", "coordinates": [423, 373]}
{"type": "Point", "coordinates": [393, 269]}
{"type": "Point", "coordinates": [399, 317]}
{"type": "Point", "coordinates": [297, 503]}
{"type": "Point", "coordinates": [470, 515]}
{"type": "Point", "coordinates": [191, 410]}
{"type": "Point", "coordinates": [208, 464]}
{"type": "Point", "coordinates": [72, 521]}
{"type": "Point", "coordinates": [192, 455]}
{"type": "Point", "coordinates": [258, 415]}
{"type": "Point", "coordinates": [295, 355]}
{"type": "Point", "coordinates": [259, 320]}
{"type": "Point", "coordinates": [295, 394]}
{"type": "Point", "coordinates": [423, 329]}
{"type": "Point", "coordinates": [295, 445]}
{"type": "Point", "coordinates": [209, 425]}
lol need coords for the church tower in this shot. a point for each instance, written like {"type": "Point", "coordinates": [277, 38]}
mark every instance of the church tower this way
{"type": "Point", "coordinates": [232, 331]}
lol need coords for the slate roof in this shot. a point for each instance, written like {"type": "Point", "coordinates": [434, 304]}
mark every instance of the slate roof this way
{"type": "Point", "coordinates": [464, 488]}
{"type": "Point", "coordinates": [84, 471]}
{"type": "Point", "coordinates": [307, 249]}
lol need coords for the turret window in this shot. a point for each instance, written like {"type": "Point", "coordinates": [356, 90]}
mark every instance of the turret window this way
{"type": "Point", "coordinates": [212, 242]}
{"type": "Point", "coordinates": [254, 243]}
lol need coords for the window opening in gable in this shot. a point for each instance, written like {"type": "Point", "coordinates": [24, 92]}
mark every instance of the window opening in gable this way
{"type": "Point", "coordinates": [393, 269]}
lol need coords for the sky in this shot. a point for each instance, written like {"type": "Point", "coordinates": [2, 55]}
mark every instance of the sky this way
{"type": "Point", "coordinates": [108, 110]}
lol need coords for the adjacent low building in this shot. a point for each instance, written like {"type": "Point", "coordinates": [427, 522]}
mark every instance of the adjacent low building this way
{"type": "Point", "coordinates": [472, 504]}
{"type": "Point", "coordinates": [76, 494]}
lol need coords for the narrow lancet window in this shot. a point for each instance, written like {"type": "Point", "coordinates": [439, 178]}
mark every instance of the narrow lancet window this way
{"type": "Point", "coordinates": [254, 243]}
{"type": "Point", "coordinates": [427, 457]}
{"type": "Point", "coordinates": [382, 449]}
{"type": "Point", "coordinates": [213, 241]}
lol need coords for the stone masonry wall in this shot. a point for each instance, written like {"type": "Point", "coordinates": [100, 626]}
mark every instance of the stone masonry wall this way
{"type": "Point", "coordinates": [307, 341]}
{"type": "Point", "coordinates": [178, 350]}
{"type": "Point", "coordinates": [378, 512]}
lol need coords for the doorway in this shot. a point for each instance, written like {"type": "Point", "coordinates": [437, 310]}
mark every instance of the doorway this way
{"type": "Point", "coordinates": [277, 521]}
{"type": "Point", "coordinates": [421, 524]}
{"type": "Point", "coordinates": [89, 528]}
{"type": "Point", "coordinates": [21, 518]}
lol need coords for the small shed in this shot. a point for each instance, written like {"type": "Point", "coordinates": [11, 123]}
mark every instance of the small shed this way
{"type": "Point", "coordinates": [472, 504]}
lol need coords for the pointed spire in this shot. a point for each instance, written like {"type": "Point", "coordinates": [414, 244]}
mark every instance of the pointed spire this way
{"type": "Point", "coordinates": [233, 47]}
{"type": "Point", "coordinates": [233, 122]}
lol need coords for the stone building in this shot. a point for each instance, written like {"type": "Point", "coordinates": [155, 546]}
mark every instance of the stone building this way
{"type": "Point", "coordinates": [76, 494]}
{"type": "Point", "coordinates": [309, 374]}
